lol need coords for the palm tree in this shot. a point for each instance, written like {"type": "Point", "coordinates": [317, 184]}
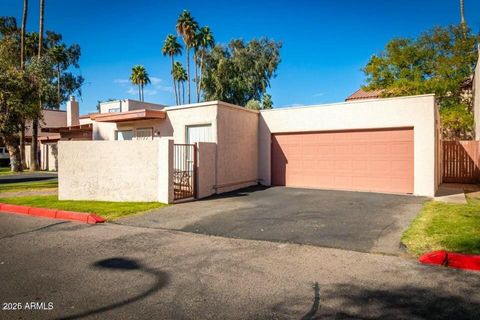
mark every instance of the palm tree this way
{"type": "Point", "coordinates": [22, 66]}
{"type": "Point", "coordinates": [205, 41]}
{"type": "Point", "coordinates": [462, 12]}
{"type": "Point", "coordinates": [187, 27]}
{"type": "Point", "coordinates": [140, 78]}
{"type": "Point", "coordinates": [172, 48]}
{"type": "Point", "coordinates": [34, 146]}
{"type": "Point", "coordinates": [180, 76]}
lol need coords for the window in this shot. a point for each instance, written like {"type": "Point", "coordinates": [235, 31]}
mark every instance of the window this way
{"type": "Point", "coordinates": [2, 150]}
{"type": "Point", "coordinates": [144, 134]}
{"type": "Point", "coordinates": [199, 133]}
{"type": "Point", "coordinates": [124, 135]}
{"type": "Point", "coordinates": [113, 110]}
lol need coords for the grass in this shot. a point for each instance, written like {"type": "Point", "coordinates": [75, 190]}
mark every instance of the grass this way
{"type": "Point", "coordinates": [4, 171]}
{"type": "Point", "coordinates": [105, 209]}
{"type": "Point", "coordinates": [7, 171]}
{"type": "Point", "coordinates": [23, 186]}
{"type": "Point", "coordinates": [445, 226]}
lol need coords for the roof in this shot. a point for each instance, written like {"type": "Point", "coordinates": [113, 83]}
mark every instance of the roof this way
{"type": "Point", "coordinates": [77, 128]}
{"type": "Point", "coordinates": [142, 114]}
{"type": "Point", "coordinates": [87, 116]}
{"type": "Point", "coordinates": [362, 94]}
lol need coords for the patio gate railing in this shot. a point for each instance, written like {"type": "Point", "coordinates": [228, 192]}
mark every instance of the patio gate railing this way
{"type": "Point", "coordinates": [184, 170]}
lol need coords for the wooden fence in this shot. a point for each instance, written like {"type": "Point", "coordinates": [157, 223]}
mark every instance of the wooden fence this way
{"type": "Point", "coordinates": [461, 161]}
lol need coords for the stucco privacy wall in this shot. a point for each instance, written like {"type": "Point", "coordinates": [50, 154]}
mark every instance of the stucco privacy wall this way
{"type": "Point", "coordinates": [237, 147]}
{"type": "Point", "coordinates": [206, 174]}
{"type": "Point", "coordinates": [476, 96]}
{"type": "Point", "coordinates": [115, 170]}
{"type": "Point", "coordinates": [418, 112]}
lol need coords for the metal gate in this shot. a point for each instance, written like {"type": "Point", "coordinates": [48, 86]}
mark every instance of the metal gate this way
{"type": "Point", "coordinates": [184, 170]}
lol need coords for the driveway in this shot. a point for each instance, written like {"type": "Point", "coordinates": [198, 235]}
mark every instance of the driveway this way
{"type": "Point", "coordinates": [28, 177]}
{"type": "Point", "coordinates": [111, 271]}
{"type": "Point", "coordinates": [360, 221]}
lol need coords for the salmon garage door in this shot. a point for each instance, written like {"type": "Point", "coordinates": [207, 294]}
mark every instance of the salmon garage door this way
{"type": "Point", "coordinates": [363, 160]}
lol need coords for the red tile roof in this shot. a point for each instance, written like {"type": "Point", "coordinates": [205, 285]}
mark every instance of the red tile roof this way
{"type": "Point", "coordinates": [362, 94]}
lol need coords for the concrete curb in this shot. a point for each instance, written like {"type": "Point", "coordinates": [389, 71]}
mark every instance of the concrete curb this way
{"type": "Point", "coordinates": [52, 213]}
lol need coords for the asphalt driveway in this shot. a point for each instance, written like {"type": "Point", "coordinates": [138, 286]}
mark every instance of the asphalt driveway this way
{"type": "Point", "coordinates": [360, 221]}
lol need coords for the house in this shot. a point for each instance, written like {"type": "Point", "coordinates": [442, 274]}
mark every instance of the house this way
{"type": "Point", "coordinates": [157, 153]}
{"type": "Point", "coordinates": [361, 94]}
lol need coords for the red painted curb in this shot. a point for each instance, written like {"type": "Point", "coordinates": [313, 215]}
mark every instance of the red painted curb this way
{"type": "Point", "coordinates": [452, 260]}
{"type": "Point", "coordinates": [52, 213]}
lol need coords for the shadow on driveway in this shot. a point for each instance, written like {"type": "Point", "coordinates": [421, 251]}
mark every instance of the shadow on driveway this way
{"type": "Point", "coordinates": [360, 221]}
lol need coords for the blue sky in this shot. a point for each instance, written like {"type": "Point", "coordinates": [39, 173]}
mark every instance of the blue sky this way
{"type": "Point", "coordinates": [325, 43]}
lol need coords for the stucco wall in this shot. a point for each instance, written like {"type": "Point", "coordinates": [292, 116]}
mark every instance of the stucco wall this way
{"type": "Point", "coordinates": [115, 170]}
{"type": "Point", "coordinates": [206, 174]}
{"type": "Point", "coordinates": [237, 147]}
{"type": "Point", "coordinates": [418, 112]}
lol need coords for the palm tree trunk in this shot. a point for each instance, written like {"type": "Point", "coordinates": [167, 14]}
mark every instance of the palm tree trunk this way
{"type": "Point", "coordinates": [188, 72]}
{"type": "Point", "coordinates": [462, 12]}
{"type": "Point", "coordinates": [142, 92]}
{"type": "Point", "coordinates": [173, 77]}
{"type": "Point", "coordinates": [22, 39]}
{"type": "Point", "coordinates": [201, 76]}
{"type": "Point", "coordinates": [178, 90]}
{"type": "Point", "coordinates": [59, 100]}
{"type": "Point", "coordinates": [196, 74]}
{"type": "Point", "coordinates": [183, 91]}
{"type": "Point", "coordinates": [22, 66]}
{"type": "Point", "coordinates": [139, 94]}
{"type": "Point", "coordinates": [34, 145]}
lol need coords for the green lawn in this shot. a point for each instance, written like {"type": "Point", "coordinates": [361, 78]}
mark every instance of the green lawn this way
{"type": "Point", "coordinates": [5, 170]}
{"type": "Point", "coordinates": [105, 209]}
{"type": "Point", "coordinates": [22, 186]}
{"type": "Point", "coordinates": [445, 226]}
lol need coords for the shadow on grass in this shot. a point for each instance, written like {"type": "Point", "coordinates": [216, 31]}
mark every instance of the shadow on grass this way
{"type": "Point", "coordinates": [161, 279]}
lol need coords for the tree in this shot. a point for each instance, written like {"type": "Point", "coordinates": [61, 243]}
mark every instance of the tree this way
{"type": "Point", "coordinates": [63, 57]}
{"type": "Point", "coordinates": [267, 102]}
{"type": "Point", "coordinates": [439, 61]}
{"type": "Point", "coordinates": [187, 28]}
{"type": "Point", "coordinates": [18, 97]}
{"type": "Point", "coordinates": [204, 41]}
{"type": "Point", "coordinates": [180, 76]}
{"type": "Point", "coordinates": [240, 72]}
{"type": "Point", "coordinates": [140, 78]}
{"type": "Point", "coordinates": [172, 48]}
{"type": "Point", "coordinates": [253, 105]}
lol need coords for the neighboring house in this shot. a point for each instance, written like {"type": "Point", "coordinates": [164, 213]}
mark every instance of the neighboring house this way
{"type": "Point", "coordinates": [382, 145]}
{"type": "Point", "coordinates": [361, 94]}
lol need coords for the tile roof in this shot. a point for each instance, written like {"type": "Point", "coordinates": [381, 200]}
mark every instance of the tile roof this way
{"type": "Point", "coordinates": [362, 94]}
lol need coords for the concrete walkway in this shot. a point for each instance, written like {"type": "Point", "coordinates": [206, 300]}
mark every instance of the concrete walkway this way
{"type": "Point", "coordinates": [455, 192]}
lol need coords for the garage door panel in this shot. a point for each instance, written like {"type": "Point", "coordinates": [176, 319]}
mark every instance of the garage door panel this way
{"type": "Point", "coordinates": [369, 160]}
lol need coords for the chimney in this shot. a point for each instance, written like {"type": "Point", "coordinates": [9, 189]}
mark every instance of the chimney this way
{"type": "Point", "coordinates": [72, 112]}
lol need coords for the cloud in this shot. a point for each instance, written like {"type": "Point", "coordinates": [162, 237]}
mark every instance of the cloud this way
{"type": "Point", "coordinates": [154, 88]}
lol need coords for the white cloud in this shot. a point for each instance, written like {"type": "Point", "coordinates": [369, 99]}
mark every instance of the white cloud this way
{"type": "Point", "coordinates": [154, 88]}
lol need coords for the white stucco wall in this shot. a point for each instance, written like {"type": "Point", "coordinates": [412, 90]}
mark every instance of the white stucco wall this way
{"type": "Point", "coordinates": [418, 112]}
{"type": "Point", "coordinates": [115, 170]}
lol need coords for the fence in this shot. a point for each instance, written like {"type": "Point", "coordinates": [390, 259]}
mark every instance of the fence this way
{"type": "Point", "coordinates": [461, 161]}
